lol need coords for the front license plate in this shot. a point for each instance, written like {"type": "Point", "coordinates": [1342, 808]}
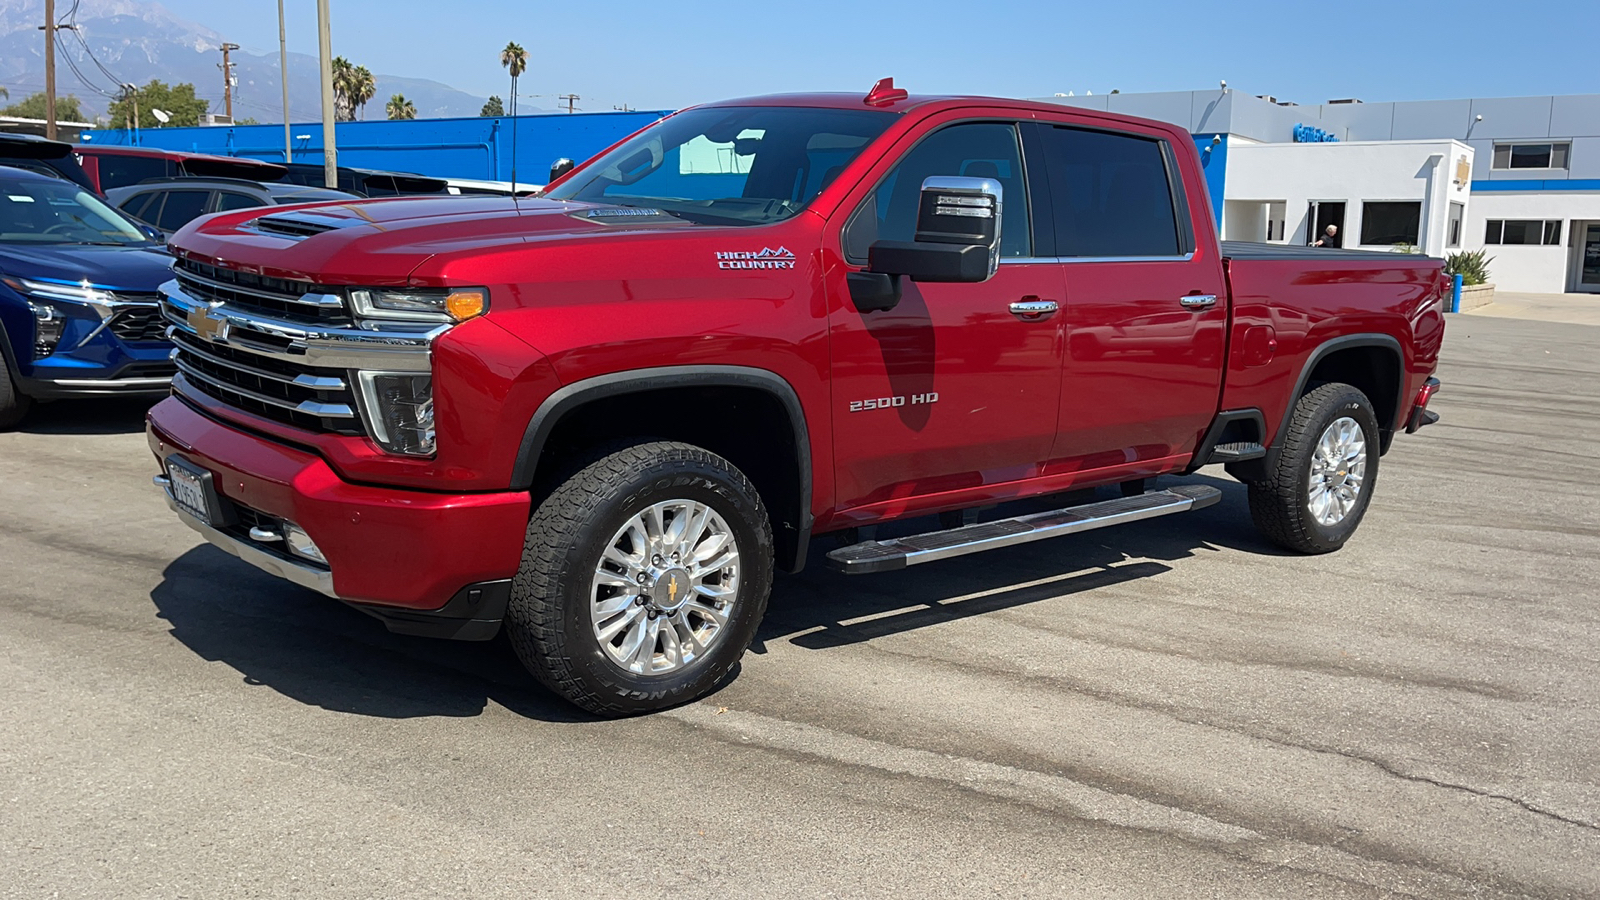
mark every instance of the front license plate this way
{"type": "Point", "coordinates": [191, 488]}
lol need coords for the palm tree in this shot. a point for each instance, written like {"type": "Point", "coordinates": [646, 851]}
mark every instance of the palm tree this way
{"type": "Point", "coordinates": [515, 60]}
{"type": "Point", "coordinates": [342, 105]}
{"type": "Point", "coordinates": [362, 88]}
{"type": "Point", "coordinates": [353, 86]}
{"type": "Point", "coordinates": [401, 108]}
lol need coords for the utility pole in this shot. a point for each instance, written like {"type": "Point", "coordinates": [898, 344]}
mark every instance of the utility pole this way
{"type": "Point", "coordinates": [227, 78]}
{"type": "Point", "coordinates": [330, 153]}
{"type": "Point", "coordinates": [283, 75]}
{"type": "Point", "coordinates": [623, 108]}
{"type": "Point", "coordinates": [131, 92]}
{"type": "Point", "coordinates": [571, 99]}
{"type": "Point", "coordinates": [50, 69]}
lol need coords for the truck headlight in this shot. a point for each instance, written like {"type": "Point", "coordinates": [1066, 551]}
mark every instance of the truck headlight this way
{"type": "Point", "coordinates": [420, 304]}
{"type": "Point", "coordinates": [399, 407]}
{"type": "Point", "coordinates": [48, 325]}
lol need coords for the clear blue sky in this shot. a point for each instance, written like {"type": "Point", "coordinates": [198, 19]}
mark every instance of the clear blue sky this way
{"type": "Point", "coordinates": [660, 55]}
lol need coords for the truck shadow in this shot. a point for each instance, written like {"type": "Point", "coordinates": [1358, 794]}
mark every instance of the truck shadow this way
{"type": "Point", "coordinates": [321, 653]}
{"type": "Point", "coordinates": [821, 609]}
{"type": "Point", "coordinates": [95, 415]}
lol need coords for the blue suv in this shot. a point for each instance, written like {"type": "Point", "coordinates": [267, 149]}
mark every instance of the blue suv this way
{"type": "Point", "coordinates": [80, 312]}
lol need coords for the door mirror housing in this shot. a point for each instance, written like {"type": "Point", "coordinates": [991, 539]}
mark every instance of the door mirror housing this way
{"type": "Point", "coordinates": [152, 232]}
{"type": "Point", "coordinates": [957, 237]}
{"type": "Point", "coordinates": [561, 167]}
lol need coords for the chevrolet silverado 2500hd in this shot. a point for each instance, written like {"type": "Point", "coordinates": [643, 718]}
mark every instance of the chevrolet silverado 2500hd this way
{"type": "Point", "coordinates": [605, 417]}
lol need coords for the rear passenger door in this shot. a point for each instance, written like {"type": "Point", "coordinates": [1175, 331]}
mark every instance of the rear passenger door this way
{"type": "Point", "coordinates": [1146, 301]}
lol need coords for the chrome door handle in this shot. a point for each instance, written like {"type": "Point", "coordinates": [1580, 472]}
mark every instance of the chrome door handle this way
{"type": "Point", "coordinates": [1199, 301]}
{"type": "Point", "coordinates": [1033, 309]}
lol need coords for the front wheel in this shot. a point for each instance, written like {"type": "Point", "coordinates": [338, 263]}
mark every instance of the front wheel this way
{"type": "Point", "coordinates": [14, 404]}
{"type": "Point", "coordinates": [643, 579]}
{"type": "Point", "coordinates": [1316, 496]}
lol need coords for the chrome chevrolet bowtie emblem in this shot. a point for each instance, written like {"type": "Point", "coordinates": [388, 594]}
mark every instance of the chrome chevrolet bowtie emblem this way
{"type": "Point", "coordinates": [211, 327]}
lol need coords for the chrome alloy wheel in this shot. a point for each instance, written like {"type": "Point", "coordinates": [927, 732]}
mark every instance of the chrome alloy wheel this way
{"type": "Point", "coordinates": [1338, 469]}
{"type": "Point", "coordinates": [665, 587]}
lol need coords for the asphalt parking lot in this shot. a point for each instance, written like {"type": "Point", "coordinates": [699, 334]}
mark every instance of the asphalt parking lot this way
{"type": "Point", "coordinates": [1172, 709]}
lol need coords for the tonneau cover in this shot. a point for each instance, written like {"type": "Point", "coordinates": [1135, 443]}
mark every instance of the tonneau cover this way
{"type": "Point", "coordinates": [1281, 252]}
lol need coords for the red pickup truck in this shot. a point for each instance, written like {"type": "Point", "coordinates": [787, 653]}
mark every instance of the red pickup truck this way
{"type": "Point", "coordinates": [607, 416]}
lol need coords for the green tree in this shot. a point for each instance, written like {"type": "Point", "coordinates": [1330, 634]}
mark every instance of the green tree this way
{"type": "Point", "coordinates": [32, 107]}
{"type": "Point", "coordinates": [493, 108]}
{"type": "Point", "coordinates": [401, 108]}
{"type": "Point", "coordinates": [177, 101]}
{"type": "Point", "coordinates": [247, 120]}
{"type": "Point", "coordinates": [515, 61]}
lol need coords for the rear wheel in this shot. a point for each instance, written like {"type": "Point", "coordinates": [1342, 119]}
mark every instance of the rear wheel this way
{"type": "Point", "coordinates": [643, 579]}
{"type": "Point", "coordinates": [14, 404]}
{"type": "Point", "coordinates": [1316, 496]}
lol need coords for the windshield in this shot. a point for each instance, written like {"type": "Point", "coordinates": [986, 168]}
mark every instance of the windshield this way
{"type": "Point", "coordinates": [60, 212]}
{"type": "Point", "coordinates": [729, 165]}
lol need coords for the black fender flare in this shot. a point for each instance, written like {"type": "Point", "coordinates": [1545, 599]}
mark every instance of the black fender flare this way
{"type": "Point", "coordinates": [572, 396]}
{"type": "Point", "coordinates": [1325, 349]}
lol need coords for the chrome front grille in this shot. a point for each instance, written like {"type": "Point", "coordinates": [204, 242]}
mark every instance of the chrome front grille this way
{"type": "Point", "coordinates": [138, 323]}
{"type": "Point", "coordinates": [314, 399]}
{"type": "Point", "coordinates": [295, 301]}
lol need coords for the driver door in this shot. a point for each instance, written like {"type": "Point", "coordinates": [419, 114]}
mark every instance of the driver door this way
{"type": "Point", "coordinates": [950, 392]}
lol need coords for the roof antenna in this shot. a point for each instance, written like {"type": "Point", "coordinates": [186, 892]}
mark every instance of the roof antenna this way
{"type": "Point", "coordinates": [884, 93]}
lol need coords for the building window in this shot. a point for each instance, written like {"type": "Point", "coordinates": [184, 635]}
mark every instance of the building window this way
{"type": "Point", "coordinates": [1277, 218]}
{"type": "Point", "coordinates": [1391, 222]}
{"type": "Point", "coordinates": [1531, 156]}
{"type": "Point", "coordinates": [1452, 236]}
{"type": "Point", "coordinates": [1524, 231]}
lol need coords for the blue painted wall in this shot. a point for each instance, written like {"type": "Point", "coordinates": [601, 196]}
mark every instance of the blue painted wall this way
{"type": "Point", "coordinates": [1214, 159]}
{"type": "Point", "coordinates": [457, 148]}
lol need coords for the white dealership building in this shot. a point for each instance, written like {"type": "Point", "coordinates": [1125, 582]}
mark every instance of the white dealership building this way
{"type": "Point", "coordinates": [1517, 176]}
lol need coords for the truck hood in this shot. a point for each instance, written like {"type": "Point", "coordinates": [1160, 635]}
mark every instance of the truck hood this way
{"type": "Point", "coordinates": [381, 242]}
{"type": "Point", "coordinates": [133, 269]}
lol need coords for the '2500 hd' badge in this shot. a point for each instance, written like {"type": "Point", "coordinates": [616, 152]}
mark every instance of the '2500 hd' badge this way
{"type": "Point", "coordinates": [766, 258]}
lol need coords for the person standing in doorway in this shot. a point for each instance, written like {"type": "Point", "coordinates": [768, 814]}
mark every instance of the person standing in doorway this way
{"type": "Point", "coordinates": [1330, 238]}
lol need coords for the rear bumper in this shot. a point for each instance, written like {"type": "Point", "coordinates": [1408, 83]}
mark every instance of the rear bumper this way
{"type": "Point", "coordinates": [424, 563]}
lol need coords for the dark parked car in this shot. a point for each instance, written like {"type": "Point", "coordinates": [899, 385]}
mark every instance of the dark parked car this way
{"type": "Point", "coordinates": [367, 182]}
{"type": "Point", "coordinates": [171, 203]}
{"type": "Point", "coordinates": [79, 308]}
{"type": "Point", "coordinates": [113, 167]}
{"type": "Point", "coordinates": [42, 155]}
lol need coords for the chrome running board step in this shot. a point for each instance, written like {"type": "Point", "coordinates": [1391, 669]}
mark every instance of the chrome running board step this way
{"type": "Point", "coordinates": [897, 553]}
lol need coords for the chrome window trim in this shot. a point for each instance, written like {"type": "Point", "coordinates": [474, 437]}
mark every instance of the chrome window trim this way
{"type": "Point", "coordinates": [1070, 260]}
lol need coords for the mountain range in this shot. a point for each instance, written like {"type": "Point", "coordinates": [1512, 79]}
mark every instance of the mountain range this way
{"type": "Point", "coordinates": [137, 40]}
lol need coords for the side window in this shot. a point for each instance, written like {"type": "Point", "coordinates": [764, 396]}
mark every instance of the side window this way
{"type": "Point", "coordinates": [1111, 193]}
{"type": "Point", "coordinates": [227, 200]}
{"type": "Point", "coordinates": [135, 205]}
{"type": "Point", "coordinates": [118, 171]}
{"type": "Point", "coordinates": [182, 207]}
{"type": "Point", "coordinates": [976, 149]}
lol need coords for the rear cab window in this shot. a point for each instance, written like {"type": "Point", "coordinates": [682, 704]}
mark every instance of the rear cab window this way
{"type": "Point", "coordinates": [1114, 194]}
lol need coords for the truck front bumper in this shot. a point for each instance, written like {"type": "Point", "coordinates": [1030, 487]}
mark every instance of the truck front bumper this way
{"type": "Point", "coordinates": [436, 564]}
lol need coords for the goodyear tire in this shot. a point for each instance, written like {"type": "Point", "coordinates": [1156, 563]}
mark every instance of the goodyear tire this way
{"type": "Point", "coordinates": [643, 579]}
{"type": "Point", "coordinates": [1315, 497]}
